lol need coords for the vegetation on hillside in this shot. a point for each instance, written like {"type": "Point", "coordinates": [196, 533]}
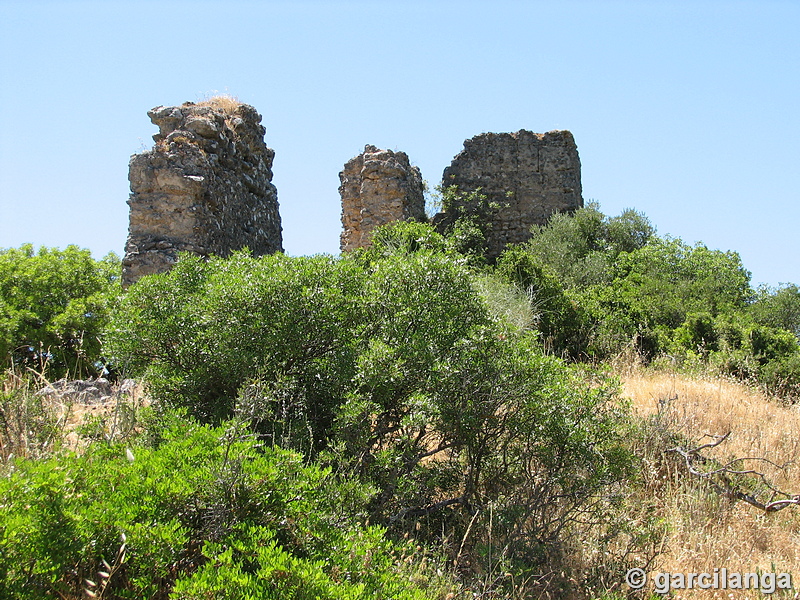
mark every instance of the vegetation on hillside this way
{"type": "Point", "coordinates": [609, 286]}
{"type": "Point", "coordinates": [406, 420]}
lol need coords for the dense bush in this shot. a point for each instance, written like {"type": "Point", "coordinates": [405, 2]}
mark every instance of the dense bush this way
{"type": "Point", "coordinates": [778, 308]}
{"type": "Point", "coordinates": [390, 366]}
{"type": "Point", "coordinates": [54, 305]}
{"type": "Point", "coordinates": [495, 431]}
{"type": "Point", "coordinates": [406, 237]}
{"type": "Point", "coordinates": [581, 247]}
{"type": "Point", "coordinates": [202, 330]}
{"type": "Point", "coordinates": [612, 287]}
{"type": "Point", "coordinates": [466, 221]}
{"type": "Point", "coordinates": [207, 513]}
{"type": "Point", "coordinates": [409, 385]}
{"type": "Point", "coordinates": [557, 317]}
{"type": "Point", "coordinates": [656, 289]}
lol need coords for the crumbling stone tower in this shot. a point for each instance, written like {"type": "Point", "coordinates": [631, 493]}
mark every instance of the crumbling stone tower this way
{"type": "Point", "coordinates": [529, 175]}
{"type": "Point", "coordinates": [378, 186]}
{"type": "Point", "coordinates": [205, 187]}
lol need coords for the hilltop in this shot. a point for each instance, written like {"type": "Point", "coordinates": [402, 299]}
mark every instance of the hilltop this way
{"type": "Point", "coordinates": [431, 414]}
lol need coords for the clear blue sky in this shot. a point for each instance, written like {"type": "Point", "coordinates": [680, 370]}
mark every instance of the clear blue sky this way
{"type": "Point", "coordinates": [687, 111]}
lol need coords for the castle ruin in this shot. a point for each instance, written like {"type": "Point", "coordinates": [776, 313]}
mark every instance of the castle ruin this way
{"type": "Point", "coordinates": [378, 187]}
{"type": "Point", "coordinates": [205, 188]}
{"type": "Point", "coordinates": [528, 176]}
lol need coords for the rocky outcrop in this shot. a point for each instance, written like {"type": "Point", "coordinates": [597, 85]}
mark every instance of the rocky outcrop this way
{"type": "Point", "coordinates": [205, 188]}
{"type": "Point", "coordinates": [528, 176]}
{"type": "Point", "coordinates": [377, 187]}
{"type": "Point", "coordinates": [89, 391]}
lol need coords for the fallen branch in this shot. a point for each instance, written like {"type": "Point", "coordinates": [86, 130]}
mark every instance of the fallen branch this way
{"type": "Point", "coordinates": [729, 488]}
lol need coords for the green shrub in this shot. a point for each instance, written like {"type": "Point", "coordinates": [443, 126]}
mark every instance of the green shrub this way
{"type": "Point", "coordinates": [467, 222]}
{"type": "Point", "coordinates": [507, 302]}
{"type": "Point", "coordinates": [632, 289]}
{"type": "Point", "coordinates": [697, 335]}
{"type": "Point", "coordinates": [204, 329]}
{"type": "Point", "coordinates": [667, 280]}
{"type": "Point", "coordinates": [389, 366]}
{"type": "Point", "coordinates": [54, 305]}
{"type": "Point", "coordinates": [581, 247]}
{"type": "Point", "coordinates": [781, 376]}
{"type": "Point", "coordinates": [557, 316]}
{"type": "Point", "coordinates": [406, 237]}
{"type": "Point", "coordinates": [498, 447]}
{"type": "Point", "coordinates": [206, 513]}
{"type": "Point", "coordinates": [768, 344]}
{"type": "Point", "coordinates": [778, 308]}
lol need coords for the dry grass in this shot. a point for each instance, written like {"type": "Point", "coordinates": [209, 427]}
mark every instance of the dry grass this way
{"type": "Point", "coordinates": [113, 418]}
{"type": "Point", "coordinates": [710, 531]}
{"type": "Point", "coordinates": [35, 424]}
{"type": "Point", "coordinates": [223, 102]}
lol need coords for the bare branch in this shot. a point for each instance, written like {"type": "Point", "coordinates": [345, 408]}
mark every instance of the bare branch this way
{"type": "Point", "coordinates": [421, 512]}
{"type": "Point", "coordinates": [718, 478]}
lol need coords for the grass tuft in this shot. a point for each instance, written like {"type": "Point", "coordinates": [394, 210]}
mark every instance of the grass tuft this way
{"type": "Point", "coordinates": [223, 102]}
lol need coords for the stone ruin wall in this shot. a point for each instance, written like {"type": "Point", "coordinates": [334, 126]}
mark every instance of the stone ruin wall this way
{"type": "Point", "coordinates": [205, 187]}
{"type": "Point", "coordinates": [529, 175]}
{"type": "Point", "coordinates": [378, 187]}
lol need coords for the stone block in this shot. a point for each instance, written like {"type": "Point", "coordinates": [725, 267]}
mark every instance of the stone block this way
{"type": "Point", "coordinates": [378, 187]}
{"type": "Point", "coordinates": [530, 175]}
{"type": "Point", "coordinates": [205, 187]}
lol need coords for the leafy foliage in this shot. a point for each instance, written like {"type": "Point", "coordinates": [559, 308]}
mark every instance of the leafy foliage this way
{"type": "Point", "coordinates": [409, 385]}
{"type": "Point", "coordinates": [206, 513]}
{"type": "Point", "coordinates": [505, 430]}
{"type": "Point", "coordinates": [613, 287]}
{"type": "Point", "coordinates": [406, 237]}
{"type": "Point", "coordinates": [466, 222]}
{"type": "Point", "coordinates": [205, 328]}
{"type": "Point", "coordinates": [389, 366]}
{"type": "Point", "coordinates": [580, 248]}
{"type": "Point", "coordinates": [54, 305]}
{"type": "Point", "coordinates": [778, 308]}
{"type": "Point", "coordinates": [657, 288]}
{"type": "Point", "coordinates": [557, 316]}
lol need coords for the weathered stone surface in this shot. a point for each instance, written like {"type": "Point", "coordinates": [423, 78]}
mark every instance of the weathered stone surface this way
{"type": "Point", "coordinates": [205, 187]}
{"type": "Point", "coordinates": [89, 391]}
{"type": "Point", "coordinates": [530, 175]}
{"type": "Point", "coordinates": [377, 187]}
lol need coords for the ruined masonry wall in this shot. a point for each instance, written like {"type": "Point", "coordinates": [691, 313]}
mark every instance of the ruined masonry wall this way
{"type": "Point", "coordinates": [377, 187]}
{"type": "Point", "coordinates": [205, 187]}
{"type": "Point", "coordinates": [530, 175]}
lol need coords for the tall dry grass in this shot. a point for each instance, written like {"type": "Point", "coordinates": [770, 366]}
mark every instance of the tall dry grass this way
{"type": "Point", "coordinates": [30, 425]}
{"type": "Point", "coordinates": [35, 423]}
{"type": "Point", "coordinates": [223, 102]}
{"type": "Point", "coordinates": [708, 530]}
